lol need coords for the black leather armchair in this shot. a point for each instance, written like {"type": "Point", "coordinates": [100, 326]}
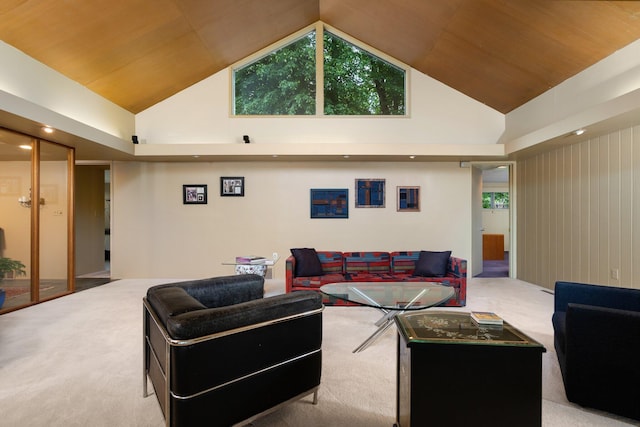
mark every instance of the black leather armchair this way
{"type": "Point", "coordinates": [218, 353]}
{"type": "Point", "coordinates": [597, 340]}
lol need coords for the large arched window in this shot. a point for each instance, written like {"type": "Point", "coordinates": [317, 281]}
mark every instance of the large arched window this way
{"type": "Point", "coordinates": [284, 80]}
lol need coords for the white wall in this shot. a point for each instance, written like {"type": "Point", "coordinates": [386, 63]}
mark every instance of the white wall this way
{"type": "Point", "coordinates": [154, 235]}
{"type": "Point", "coordinates": [438, 115]}
{"type": "Point", "coordinates": [45, 90]}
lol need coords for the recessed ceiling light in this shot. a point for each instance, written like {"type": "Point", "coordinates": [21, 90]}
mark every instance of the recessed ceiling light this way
{"type": "Point", "coordinates": [47, 129]}
{"type": "Point", "coordinates": [578, 132]}
{"type": "Point", "coordinates": [25, 147]}
{"type": "Point", "coordinates": [346, 156]}
{"type": "Point", "coordinates": [412, 157]}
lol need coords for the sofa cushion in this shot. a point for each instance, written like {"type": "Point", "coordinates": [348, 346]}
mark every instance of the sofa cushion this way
{"type": "Point", "coordinates": [372, 277]}
{"type": "Point", "coordinates": [307, 262]}
{"type": "Point", "coordinates": [366, 262]}
{"type": "Point", "coordinates": [404, 262]}
{"type": "Point", "coordinates": [432, 264]}
{"type": "Point", "coordinates": [314, 282]}
{"type": "Point", "coordinates": [332, 262]}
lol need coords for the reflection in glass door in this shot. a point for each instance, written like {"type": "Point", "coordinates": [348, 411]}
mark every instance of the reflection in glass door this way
{"type": "Point", "coordinates": [36, 214]}
{"type": "Point", "coordinates": [54, 216]}
{"type": "Point", "coordinates": [15, 219]}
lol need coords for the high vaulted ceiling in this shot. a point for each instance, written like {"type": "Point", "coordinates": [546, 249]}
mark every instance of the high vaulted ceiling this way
{"type": "Point", "coordinates": [137, 53]}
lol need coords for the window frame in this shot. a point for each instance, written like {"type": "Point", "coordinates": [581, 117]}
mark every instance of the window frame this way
{"type": "Point", "coordinates": [319, 27]}
{"type": "Point", "coordinates": [493, 200]}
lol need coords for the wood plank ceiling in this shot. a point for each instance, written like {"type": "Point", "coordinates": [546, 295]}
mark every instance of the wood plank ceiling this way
{"type": "Point", "coordinates": [138, 52]}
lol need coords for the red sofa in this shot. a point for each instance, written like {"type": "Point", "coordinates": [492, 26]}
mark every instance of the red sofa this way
{"type": "Point", "coordinates": [399, 266]}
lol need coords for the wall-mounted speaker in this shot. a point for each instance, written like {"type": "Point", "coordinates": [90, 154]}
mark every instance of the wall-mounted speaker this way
{"type": "Point", "coordinates": [134, 139]}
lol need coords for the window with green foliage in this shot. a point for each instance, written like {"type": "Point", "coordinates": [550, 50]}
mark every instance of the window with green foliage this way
{"type": "Point", "coordinates": [491, 200]}
{"type": "Point", "coordinates": [283, 82]}
{"type": "Point", "coordinates": [359, 83]}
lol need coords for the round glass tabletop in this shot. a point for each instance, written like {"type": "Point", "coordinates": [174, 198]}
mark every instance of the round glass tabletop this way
{"type": "Point", "coordinates": [390, 295]}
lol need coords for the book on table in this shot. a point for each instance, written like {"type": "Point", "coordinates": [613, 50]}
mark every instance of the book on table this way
{"type": "Point", "coordinates": [486, 318]}
{"type": "Point", "coordinates": [250, 259]}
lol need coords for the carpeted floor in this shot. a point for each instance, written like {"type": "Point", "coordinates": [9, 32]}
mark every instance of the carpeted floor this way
{"type": "Point", "coordinates": [495, 268]}
{"type": "Point", "coordinates": [77, 361]}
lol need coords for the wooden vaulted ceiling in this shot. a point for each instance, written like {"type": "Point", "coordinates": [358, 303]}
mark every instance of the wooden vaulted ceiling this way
{"type": "Point", "coordinates": [137, 53]}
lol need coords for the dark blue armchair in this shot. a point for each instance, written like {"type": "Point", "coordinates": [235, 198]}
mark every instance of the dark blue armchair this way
{"type": "Point", "coordinates": [597, 340]}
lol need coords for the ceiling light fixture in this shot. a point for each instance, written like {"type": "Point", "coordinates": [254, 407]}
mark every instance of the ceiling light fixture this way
{"type": "Point", "coordinates": [578, 132]}
{"type": "Point", "coordinates": [25, 147]}
{"type": "Point", "coordinates": [47, 129]}
{"type": "Point", "coordinates": [346, 156]}
{"type": "Point", "coordinates": [412, 157]}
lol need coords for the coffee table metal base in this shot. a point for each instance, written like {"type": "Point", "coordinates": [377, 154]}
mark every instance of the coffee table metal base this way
{"type": "Point", "coordinates": [385, 321]}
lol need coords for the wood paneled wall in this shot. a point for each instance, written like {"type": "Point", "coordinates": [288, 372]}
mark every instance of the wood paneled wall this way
{"type": "Point", "coordinates": [578, 212]}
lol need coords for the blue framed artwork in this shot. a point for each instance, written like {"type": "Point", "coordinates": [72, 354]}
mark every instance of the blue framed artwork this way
{"type": "Point", "coordinates": [329, 203]}
{"type": "Point", "coordinates": [370, 193]}
{"type": "Point", "coordinates": [408, 199]}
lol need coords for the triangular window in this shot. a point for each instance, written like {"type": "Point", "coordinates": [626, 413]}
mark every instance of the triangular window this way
{"type": "Point", "coordinates": [354, 80]}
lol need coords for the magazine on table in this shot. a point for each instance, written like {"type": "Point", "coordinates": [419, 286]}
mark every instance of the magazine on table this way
{"type": "Point", "coordinates": [486, 318]}
{"type": "Point", "coordinates": [250, 259]}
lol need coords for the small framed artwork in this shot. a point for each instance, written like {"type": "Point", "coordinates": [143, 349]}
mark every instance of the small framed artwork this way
{"type": "Point", "coordinates": [329, 203]}
{"type": "Point", "coordinates": [194, 194]}
{"type": "Point", "coordinates": [408, 199]}
{"type": "Point", "coordinates": [232, 186]}
{"type": "Point", "coordinates": [370, 193]}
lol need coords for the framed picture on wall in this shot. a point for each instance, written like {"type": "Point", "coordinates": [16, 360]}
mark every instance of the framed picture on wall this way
{"type": "Point", "coordinates": [408, 199]}
{"type": "Point", "coordinates": [329, 203]}
{"type": "Point", "coordinates": [232, 186]}
{"type": "Point", "coordinates": [370, 193]}
{"type": "Point", "coordinates": [194, 194]}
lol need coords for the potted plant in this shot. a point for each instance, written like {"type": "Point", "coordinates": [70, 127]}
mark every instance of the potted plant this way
{"type": "Point", "coordinates": [8, 265]}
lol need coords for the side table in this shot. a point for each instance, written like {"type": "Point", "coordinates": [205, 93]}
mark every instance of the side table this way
{"type": "Point", "coordinates": [452, 372]}
{"type": "Point", "coordinates": [259, 268]}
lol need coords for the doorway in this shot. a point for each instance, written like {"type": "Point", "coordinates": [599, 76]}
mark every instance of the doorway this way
{"type": "Point", "coordinates": [93, 224]}
{"type": "Point", "coordinates": [492, 210]}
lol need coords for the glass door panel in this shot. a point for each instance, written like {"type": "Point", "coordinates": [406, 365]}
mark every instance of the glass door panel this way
{"type": "Point", "coordinates": [15, 219]}
{"type": "Point", "coordinates": [54, 221]}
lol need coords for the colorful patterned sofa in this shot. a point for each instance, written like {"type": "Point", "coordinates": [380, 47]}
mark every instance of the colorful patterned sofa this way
{"type": "Point", "coordinates": [308, 269]}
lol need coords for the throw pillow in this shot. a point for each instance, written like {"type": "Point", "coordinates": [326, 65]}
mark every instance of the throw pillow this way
{"type": "Point", "coordinates": [307, 262]}
{"type": "Point", "coordinates": [432, 264]}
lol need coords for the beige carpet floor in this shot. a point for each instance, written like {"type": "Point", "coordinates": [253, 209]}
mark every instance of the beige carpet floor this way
{"type": "Point", "coordinates": [77, 361]}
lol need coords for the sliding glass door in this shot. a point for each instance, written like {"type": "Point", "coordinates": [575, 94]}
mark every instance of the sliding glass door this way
{"type": "Point", "coordinates": [36, 217]}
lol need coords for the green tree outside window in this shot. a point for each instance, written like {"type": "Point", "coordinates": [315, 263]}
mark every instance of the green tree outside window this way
{"type": "Point", "coordinates": [495, 200]}
{"type": "Point", "coordinates": [284, 81]}
{"type": "Point", "coordinates": [358, 83]}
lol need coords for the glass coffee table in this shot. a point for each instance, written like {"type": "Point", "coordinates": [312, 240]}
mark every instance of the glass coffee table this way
{"type": "Point", "coordinates": [392, 298]}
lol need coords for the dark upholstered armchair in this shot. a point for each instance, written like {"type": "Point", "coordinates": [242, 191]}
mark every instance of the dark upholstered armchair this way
{"type": "Point", "coordinates": [218, 353]}
{"type": "Point", "coordinates": [597, 339]}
